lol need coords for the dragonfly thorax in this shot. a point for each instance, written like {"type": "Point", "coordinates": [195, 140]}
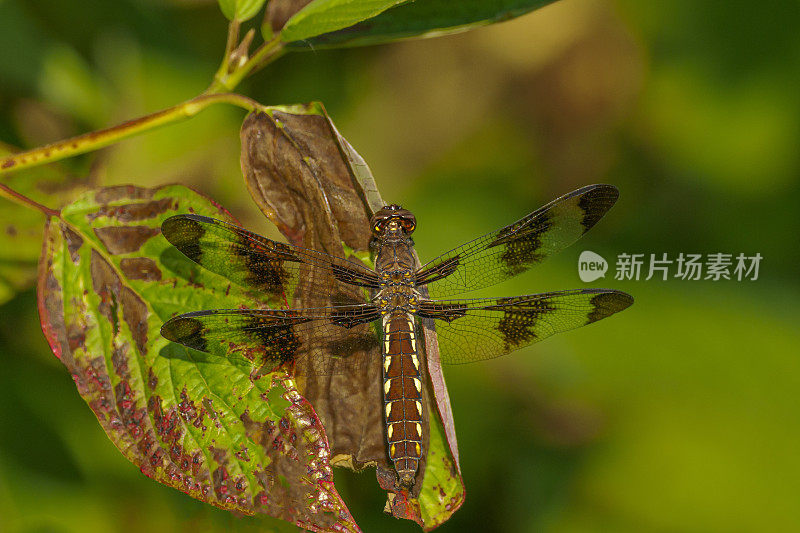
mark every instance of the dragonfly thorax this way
{"type": "Point", "coordinates": [397, 276]}
{"type": "Point", "coordinates": [396, 298]}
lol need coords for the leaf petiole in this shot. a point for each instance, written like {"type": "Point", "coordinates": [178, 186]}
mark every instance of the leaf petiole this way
{"type": "Point", "coordinates": [20, 199]}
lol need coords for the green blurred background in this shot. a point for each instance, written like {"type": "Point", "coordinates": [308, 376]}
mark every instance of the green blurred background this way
{"type": "Point", "coordinates": [679, 415]}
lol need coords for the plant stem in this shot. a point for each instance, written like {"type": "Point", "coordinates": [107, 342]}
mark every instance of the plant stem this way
{"type": "Point", "coordinates": [218, 92]}
{"type": "Point", "coordinates": [230, 45]}
{"type": "Point", "coordinates": [266, 53]}
{"type": "Point", "coordinates": [101, 138]}
{"type": "Point", "coordinates": [20, 199]}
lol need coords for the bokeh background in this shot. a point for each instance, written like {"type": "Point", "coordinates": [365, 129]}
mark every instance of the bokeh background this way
{"type": "Point", "coordinates": [680, 415]}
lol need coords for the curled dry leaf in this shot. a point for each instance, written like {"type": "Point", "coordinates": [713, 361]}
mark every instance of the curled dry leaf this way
{"type": "Point", "coordinates": [213, 427]}
{"type": "Point", "coordinates": [313, 185]}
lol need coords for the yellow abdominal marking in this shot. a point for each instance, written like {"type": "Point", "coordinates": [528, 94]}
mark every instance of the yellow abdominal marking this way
{"type": "Point", "coordinates": [419, 450]}
{"type": "Point", "coordinates": [386, 385]}
{"type": "Point", "coordinates": [419, 429]}
{"type": "Point", "coordinates": [391, 450]}
{"type": "Point", "coordinates": [388, 409]}
{"type": "Point", "coordinates": [418, 385]}
{"type": "Point", "coordinates": [386, 362]}
{"type": "Point", "coordinates": [391, 430]}
{"type": "Point", "coordinates": [415, 360]}
{"type": "Point", "coordinates": [419, 407]}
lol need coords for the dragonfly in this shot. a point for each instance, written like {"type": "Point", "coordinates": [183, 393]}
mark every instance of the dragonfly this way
{"type": "Point", "coordinates": [392, 300]}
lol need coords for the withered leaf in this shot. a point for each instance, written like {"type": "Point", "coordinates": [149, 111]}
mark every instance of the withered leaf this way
{"type": "Point", "coordinates": [313, 185]}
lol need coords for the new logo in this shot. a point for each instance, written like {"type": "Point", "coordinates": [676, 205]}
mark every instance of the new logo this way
{"type": "Point", "coordinates": [591, 266]}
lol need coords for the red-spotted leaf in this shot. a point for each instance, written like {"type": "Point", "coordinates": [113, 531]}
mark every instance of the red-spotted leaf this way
{"type": "Point", "coordinates": [314, 186]}
{"type": "Point", "coordinates": [213, 427]}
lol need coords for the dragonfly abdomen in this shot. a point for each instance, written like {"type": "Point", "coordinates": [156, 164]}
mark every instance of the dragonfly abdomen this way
{"type": "Point", "coordinates": [402, 395]}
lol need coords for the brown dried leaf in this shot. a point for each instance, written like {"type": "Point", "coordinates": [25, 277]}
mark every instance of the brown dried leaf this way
{"type": "Point", "coordinates": [313, 185]}
{"type": "Point", "coordinates": [296, 174]}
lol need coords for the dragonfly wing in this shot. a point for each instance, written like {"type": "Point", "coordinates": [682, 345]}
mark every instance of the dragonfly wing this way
{"type": "Point", "coordinates": [515, 248]}
{"type": "Point", "coordinates": [484, 328]}
{"type": "Point", "coordinates": [252, 261]}
{"type": "Point", "coordinates": [332, 339]}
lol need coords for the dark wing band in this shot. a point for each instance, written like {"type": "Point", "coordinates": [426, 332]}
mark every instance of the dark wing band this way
{"type": "Point", "coordinates": [253, 261]}
{"type": "Point", "coordinates": [513, 249]}
{"type": "Point", "coordinates": [338, 339]}
{"type": "Point", "coordinates": [484, 328]}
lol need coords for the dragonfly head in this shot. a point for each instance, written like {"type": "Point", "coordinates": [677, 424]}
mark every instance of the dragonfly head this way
{"type": "Point", "coordinates": [392, 219]}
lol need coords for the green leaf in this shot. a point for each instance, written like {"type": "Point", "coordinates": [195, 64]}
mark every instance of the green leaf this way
{"type": "Point", "coordinates": [442, 488]}
{"type": "Point", "coordinates": [217, 428]}
{"type": "Point", "coordinates": [240, 10]}
{"type": "Point", "coordinates": [323, 16]}
{"type": "Point", "coordinates": [429, 18]}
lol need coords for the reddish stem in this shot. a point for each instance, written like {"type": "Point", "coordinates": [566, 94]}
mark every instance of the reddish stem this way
{"type": "Point", "coordinates": [24, 200]}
